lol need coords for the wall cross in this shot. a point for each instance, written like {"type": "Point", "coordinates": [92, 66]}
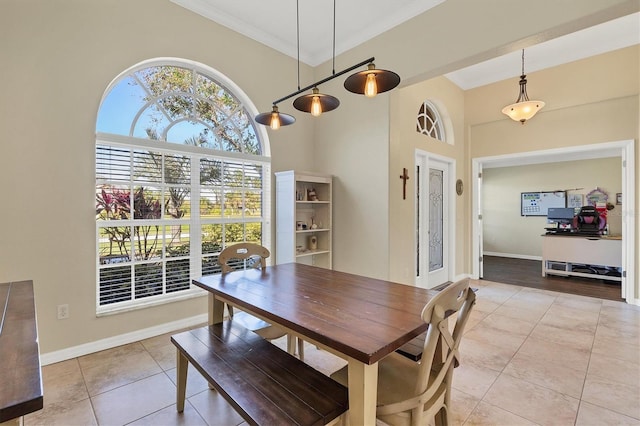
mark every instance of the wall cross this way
{"type": "Point", "coordinates": [405, 177]}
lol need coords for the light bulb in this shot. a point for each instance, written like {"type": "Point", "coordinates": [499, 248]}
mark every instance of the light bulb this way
{"type": "Point", "coordinates": [371, 86]}
{"type": "Point", "coordinates": [275, 121]}
{"type": "Point", "coordinates": [316, 107]}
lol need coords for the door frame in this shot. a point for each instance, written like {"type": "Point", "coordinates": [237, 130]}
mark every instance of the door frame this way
{"type": "Point", "coordinates": [623, 149]}
{"type": "Point", "coordinates": [422, 159]}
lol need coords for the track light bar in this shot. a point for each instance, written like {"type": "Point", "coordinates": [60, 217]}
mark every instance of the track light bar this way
{"type": "Point", "coordinates": [324, 80]}
{"type": "Point", "coordinates": [368, 83]}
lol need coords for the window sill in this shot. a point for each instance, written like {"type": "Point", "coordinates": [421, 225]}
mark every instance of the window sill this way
{"type": "Point", "coordinates": [161, 300]}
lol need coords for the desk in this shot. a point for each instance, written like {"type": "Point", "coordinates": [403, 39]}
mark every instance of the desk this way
{"type": "Point", "coordinates": [359, 319]}
{"type": "Point", "coordinates": [560, 253]}
{"type": "Point", "coordinates": [20, 376]}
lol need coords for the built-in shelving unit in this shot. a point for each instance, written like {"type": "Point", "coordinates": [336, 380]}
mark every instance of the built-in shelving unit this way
{"type": "Point", "coordinates": [304, 218]}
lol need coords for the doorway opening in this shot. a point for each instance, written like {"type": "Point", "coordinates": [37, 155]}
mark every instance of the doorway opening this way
{"type": "Point", "coordinates": [621, 149]}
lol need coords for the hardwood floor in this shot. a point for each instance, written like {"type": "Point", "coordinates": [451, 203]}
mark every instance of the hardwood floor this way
{"type": "Point", "coordinates": [527, 273]}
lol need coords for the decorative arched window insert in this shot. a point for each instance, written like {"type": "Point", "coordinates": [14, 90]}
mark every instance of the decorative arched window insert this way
{"type": "Point", "coordinates": [181, 172]}
{"type": "Point", "coordinates": [429, 122]}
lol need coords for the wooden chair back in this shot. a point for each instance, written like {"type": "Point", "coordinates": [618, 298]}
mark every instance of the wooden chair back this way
{"type": "Point", "coordinates": [245, 254]}
{"type": "Point", "coordinates": [447, 313]}
{"type": "Point", "coordinates": [250, 255]}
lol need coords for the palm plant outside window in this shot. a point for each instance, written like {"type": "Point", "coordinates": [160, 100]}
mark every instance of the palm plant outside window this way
{"type": "Point", "coordinates": [181, 172]}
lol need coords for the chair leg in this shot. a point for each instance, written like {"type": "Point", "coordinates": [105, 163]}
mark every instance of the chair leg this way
{"type": "Point", "coordinates": [291, 344]}
{"type": "Point", "coordinates": [441, 417]}
{"type": "Point", "coordinates": [300, 348]}
{"type": "Point", "coordinates": [230, 310]}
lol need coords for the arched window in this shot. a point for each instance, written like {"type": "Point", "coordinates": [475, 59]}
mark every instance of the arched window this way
{"type": "Point", "coordinates": [429, 122]}
{"type": "Point", "coordinates": [181, 172]}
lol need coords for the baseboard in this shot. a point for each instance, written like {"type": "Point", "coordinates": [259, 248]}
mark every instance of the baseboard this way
{"type": "Point", "coordinates": [122, 339]}
{"type": "Point", "coordinates": [512, 256]}
{"type": "Point", "coordinates": [461, 277]}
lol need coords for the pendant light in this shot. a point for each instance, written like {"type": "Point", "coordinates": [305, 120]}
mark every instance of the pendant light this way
{"type": "Point", "coordinates": [275, 119]}
{"type": "Point", "coordinates": [523, 109]}
{"type": "Point", "coordinates": [372, 81]}
{"type": "Point", "coordinates": [316, 103]}
{"type": "Point", "coordinates": [368, 83]}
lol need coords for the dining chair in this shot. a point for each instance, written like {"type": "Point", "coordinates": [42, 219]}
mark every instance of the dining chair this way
{"type": "Point", "coordinates": [250, 255]}
{"type": "Point", "coordinates": [412, 393]}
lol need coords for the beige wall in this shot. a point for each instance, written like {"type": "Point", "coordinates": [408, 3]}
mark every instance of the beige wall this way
{"type": "Point", "coordinates": [354, 148]}
{"type": "Point", "coordinates": [404, 143]}
{"type": "Point", "coordinates": [58, 57]}
{"type": "Point", "coordinates": [446, 38]}
{"type": "Point", "coordinates": [506, 232]}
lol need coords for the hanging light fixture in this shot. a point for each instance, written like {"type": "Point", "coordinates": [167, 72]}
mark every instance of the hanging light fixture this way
{"type": "Point", "coordinates": [316, 103]}
{"type": "Point", "coordinates": [368, 83]}
{"type": "Point", "coordinates": [523, 109]}
{"type": "Point", "coordinates": [372, 81]}
{"type": "Point", "coordinates": [275, 119]}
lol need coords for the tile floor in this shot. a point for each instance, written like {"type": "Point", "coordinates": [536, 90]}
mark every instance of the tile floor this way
{"type": "Point", "coordinates": [528, 357]}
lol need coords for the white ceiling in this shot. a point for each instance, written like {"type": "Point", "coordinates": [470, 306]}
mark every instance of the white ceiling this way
{"type": "Point", "coordinates": [273, 23]}
{"type": "Point", "coordinates": [606, 37]}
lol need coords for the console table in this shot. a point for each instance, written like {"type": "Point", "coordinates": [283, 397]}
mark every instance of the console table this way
{"type": "Point", "coordinates": [20, 374]}
{"type": "Point", "coordinates": [566, 254]}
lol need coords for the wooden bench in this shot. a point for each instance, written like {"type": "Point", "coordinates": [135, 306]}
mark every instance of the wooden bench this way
{"type": "Point", "coordinates": [20, 373]}
{"type": "Point", "coordinates": [265, 385]}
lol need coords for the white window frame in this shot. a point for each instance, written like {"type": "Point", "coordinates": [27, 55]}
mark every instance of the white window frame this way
{"type": "Point", "coordinates": [194, 222]}
{"type": "Point", "coordinates": [436, 129]}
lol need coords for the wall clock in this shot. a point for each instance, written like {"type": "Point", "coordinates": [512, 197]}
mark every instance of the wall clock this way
{"type": "Point", "coordinates": [459, 187]}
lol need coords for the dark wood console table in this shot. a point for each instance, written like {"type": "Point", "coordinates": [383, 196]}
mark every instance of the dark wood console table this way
{"type": "Point", "coordinates": [20, 374]}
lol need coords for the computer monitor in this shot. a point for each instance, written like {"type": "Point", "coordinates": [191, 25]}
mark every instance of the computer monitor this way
{"type": "Point", "coordinates": [560, 215]}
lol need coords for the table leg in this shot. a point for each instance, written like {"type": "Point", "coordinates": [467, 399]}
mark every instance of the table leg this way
{"type": "Point", "coordinates": [216, 310]}
{"type": "Point", "coordinates": [363, 393]}
{"type": "Point", "coordinates": [181, 372]}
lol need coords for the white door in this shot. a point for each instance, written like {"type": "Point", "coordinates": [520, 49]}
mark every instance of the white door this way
{"type": "Point", "coordinates": [433, 233]}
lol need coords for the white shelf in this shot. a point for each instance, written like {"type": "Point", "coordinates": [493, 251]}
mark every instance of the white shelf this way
{"type": "Point", "coordinates": [311, 253]}
{"type": "Point", "coordinates": [310, 231]}
{"type": "Point", "coordinates": [581, 274]}
{"type": "Point", "coordinates": [292, 208]}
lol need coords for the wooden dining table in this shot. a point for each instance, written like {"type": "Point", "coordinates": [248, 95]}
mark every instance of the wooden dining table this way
{"type": "Point", "coordinates": [358, 318]}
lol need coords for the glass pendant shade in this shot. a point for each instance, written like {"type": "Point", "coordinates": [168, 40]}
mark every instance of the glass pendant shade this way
{"type": "Point", "coordinates": [275, 119]}
{"type": "Point", "coordinates": [316, 103]}
{"type": "Point", "coordinates": [523, 109]}
{"type": "Point", "coordinates": [372, 81]}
